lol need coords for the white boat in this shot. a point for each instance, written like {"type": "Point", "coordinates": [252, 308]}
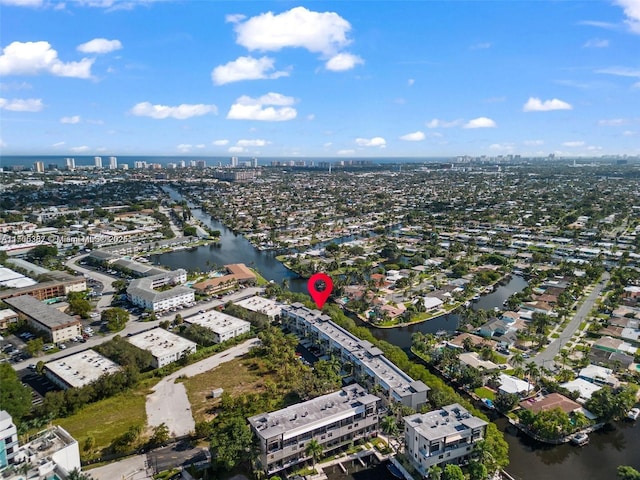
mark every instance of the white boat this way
{"type": "Point", "coordinates": [580, 439]}
{"type": "Point", "coordinates": [634, 413]}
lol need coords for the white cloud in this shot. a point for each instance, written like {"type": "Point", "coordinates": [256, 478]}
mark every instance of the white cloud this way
{"type": "Point", "coordinates": [613, 122]}
{"type": "Point", "coordinates": [437, 123]}
{"type": "Point", "coordinates": [343, 61]}
{"type": "Point", "coordinates": [413, 137]}
{"type": "Point", "coordinates": [220, 143]}
{"type": "Point", "coordinates": [632, 11]}
{"type": "Point", "coordinates": [372, 142]}
{"type": "Point", "coordinates": [346, 151]}
{"type": "Point", "coordinates": [248, 108]}
{"type": "Point", "coordinates": [480, 122]}
{"type": "Point", "coordinates": [3, 144]}
{"type": "Point", "coordinates": [629, 133]}
{"type": "Point", "coordinates": [536, 105]}
{"type": "Point", "coordinates": [596, 43]}
{"type": "Point", "coordinates": [635, 86]}
{"type": "Point", "coordinates": [576, 143]}
{"type": "Point", "coordinates": [481, 46]}
{"type": "Point", "coordinates": [620, 71]}
{"type": "Point", "coordinates": [184, 147]}
{"type": "Point", "coordinates": [181, 112]}
{"type": "Point", "coordinates": [32, 58]}
{"type": "Point", "coordinates": [58, 144]}
{"type": "Point", "coordinates": [80, 149]}
{"type": "Point", "coordinates": [501, 147]}
{"type": "Point", "coordinates": [22, 3]}
{"type": "Point", "coordinates": [533, 143]}
{"type": "Point", "coordinates": [594, 148]}
{"type": "Point", "coordinates": [21, 105]}
{"type": "Point", "coordinates": [71, 120]}
{"type": "Point", "coordinates": [252, 143]}
{"type": "Point", "coordinates": [235, 149]}
{"type": "Point", "coordinates": [311, 117]}
{"type": "Point", "coordinates": [234, 18]}
{"type": "Point", "coordinates": [99, 45]}
{"type": "Point", "coordinates": [246, 68]}
{"type": "Point", "coordinates": [410, 82]}
{"type": "Point", "coordinates": [318, 32]}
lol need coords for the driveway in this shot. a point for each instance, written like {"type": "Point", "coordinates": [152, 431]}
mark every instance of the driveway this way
{"type": "Point", "coordinates": [169, 403]}
{"type": "Point", "coordinates": [132, 468]}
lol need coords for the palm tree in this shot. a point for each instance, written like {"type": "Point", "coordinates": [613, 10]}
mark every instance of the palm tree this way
{"type": "Point", "coordinates": [389, 426]}
{"type": "Point", "coordinates": [532, 372]}
{"type": "Point", "coordinates": [517, 360]}
{"type": "Point", "coordinates": [564, 354]}
{"type": "Point", "coordinates": [314, 450]}
{"type": "Point", "coordinates": [76, 474]}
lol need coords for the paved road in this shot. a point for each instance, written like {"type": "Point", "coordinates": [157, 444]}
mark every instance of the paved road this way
{"type": "Point", "coordinates": [545, 358]}
{"type": "Point", "coordinates": [132, 468]}
{"type": "Point", "coordinates": [169, 403]}
{"type": "Point", "coordinates": [106, 280]}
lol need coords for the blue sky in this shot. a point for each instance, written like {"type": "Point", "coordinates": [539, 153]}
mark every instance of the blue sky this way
{"type": "Point", "coordinates": [344, 79]}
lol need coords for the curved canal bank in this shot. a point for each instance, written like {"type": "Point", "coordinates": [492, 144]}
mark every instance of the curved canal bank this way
{"type": "Point", "coordinates": [530, 460]}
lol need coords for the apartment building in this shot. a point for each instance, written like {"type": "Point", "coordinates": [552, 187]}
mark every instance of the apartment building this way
{"type": "Point", "coordinates": [142, 291]}
{"type": "Point", "coordinates": [8, 439]}
{"type": "Point", "coordinates": [165, 347]}
{"type": "Point", "coordinates": [369, 363]}
{"type": "Point", "coordinates": [225, 327]}
{"type": "Point", "coordinates": [333, 420]}
{"type": "Point", "coordinates": [79, 369]}
{"type": "Point", "coordinates": [56, 325]}
{"type": "Point", "coordinates": [442, 436]}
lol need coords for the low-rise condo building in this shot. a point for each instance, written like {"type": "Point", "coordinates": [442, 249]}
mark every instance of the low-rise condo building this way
{"type": "Point", "coordinates": [333, 420]}
{"type": "Point", "coordinates": [369, 363]}
{"type": "Point", "coordinates": [442, 436]}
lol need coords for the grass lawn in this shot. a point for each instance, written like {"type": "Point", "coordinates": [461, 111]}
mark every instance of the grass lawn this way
{"type": "Point", "coordinates": [235, 377]}
{"type": "Point", "coordinates": [484, 392]}
{"type": "Point", "coordinates": [107, 419]}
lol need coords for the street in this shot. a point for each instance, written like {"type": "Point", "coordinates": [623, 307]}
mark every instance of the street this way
{"type": "Point", "coordinates": [545, 357]}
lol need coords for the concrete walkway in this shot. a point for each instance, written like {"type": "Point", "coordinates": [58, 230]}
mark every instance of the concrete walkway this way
{"type": "Point", "coordinates": [169, 403]}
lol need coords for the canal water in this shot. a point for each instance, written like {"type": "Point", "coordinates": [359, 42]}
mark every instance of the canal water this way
{"type": "Point", "coordinates": [608, 448]}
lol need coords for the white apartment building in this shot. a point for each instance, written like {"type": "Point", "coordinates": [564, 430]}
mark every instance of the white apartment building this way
{"type": "Point", "coordinates": [79, 369]}
{"type": "Point", "coordinates": [97, 162]}
{"type": "Point", "coordinates": [225, 327]}
{"type": "Point", "coordinates": [441, 436]}
{"type": "Point", "coordinates": [370, 364]}
{"type": "Point", "coordinates": [113, 163]}
{"type": "Point", "coordinates": [165, 347]}
{"type": "Point", "coordinates": [142, 291]}
{"type": "Point", "coordinates": [333, 420]}
{"type": "Point", "coordinates": [8, 439]}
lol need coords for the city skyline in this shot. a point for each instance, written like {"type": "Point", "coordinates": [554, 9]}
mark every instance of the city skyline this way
{"type": "Point", "coordinates": [343, 79]}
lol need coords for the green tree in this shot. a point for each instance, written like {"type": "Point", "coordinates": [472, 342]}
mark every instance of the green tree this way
{"type": "Point", "coordinates": [80, 306]}
{"type": "Point", "coordinates": [477, 471]}
{"type": "Point", "coordinates": [42, 252]}
{"type": "Point", "coordinates": [89, 443]}
{"type": "Point", "coordinates": [609, 404]}
{"type": "Point", "coordinates": [435, 472]}
{"type": "Point", "coordinates": [116, 318]}
{"type": "Point", "coordinates": [160, 435]}
{"type": "Point", "coordinates": [452, 472]}
{"type": "Point", "coordinates": [76, 474]}
{"type": "Point", "coordinates": [15, 398]}
{"type": "Point", "coordinates": [314, 450]}
{"type": "Point", "coordinates": [34, 346]}
{"type": "Point", "coordinates": [505, 402]}
{"type": "Point", "coordinates": [231, 442]}
{"type": "Point", "coordinates": [624, 472]}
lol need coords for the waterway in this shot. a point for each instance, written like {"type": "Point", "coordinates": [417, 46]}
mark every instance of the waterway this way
{"type": "Point", "coordinates": [608, 448]}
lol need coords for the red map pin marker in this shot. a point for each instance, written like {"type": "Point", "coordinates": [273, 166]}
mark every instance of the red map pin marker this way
{"type": "Point", "coordinates": [320, 296]}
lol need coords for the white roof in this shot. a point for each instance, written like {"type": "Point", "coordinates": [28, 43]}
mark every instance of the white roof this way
{"type": "Point", "coordinates": [595, 371]}
{"type": "Point", "coordinates": [432, 302]}
{"type": "Point", "coordinates": [584, 388]}
{"type": "Point", "coordinates": [82, 368]}
{"type": "Point", "coordinates": [509, 384]}
{"type": "Point", "coordinates": [160, 342]}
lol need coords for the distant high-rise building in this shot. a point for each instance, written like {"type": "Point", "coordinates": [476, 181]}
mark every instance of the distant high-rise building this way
{"type": "Point", "coordinates": [140, 164]}
{"type": "Point", "coordinates": [192, 163]}
{"type": "Point", "coordinates": [38, 167]}
{"type": "Point", "coordinates": [201, 164]}
{"type": "Point", "coordinates": [234, 162]}
{"type": "Point", "coordinates": [182, 164]}
{"type": "Point", "coordinates": [97, 161]}
{"type": "Point", "coordinates": [113, 163]}
{"type": "Point", "coordinates": [70, 163]}
{"type": "Point", "coordinates": [254, 162]}
{"type": "Point", "coordinates": [172, 166]}
{"type": "Point", "coordinates": [124, 166]}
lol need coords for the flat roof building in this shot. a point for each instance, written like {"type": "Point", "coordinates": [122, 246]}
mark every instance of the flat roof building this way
{"type": "Point", "coordinates": [266, 306]}
{"type": "Point", "coordinates": [142, 291]}
{"type": "Point", "coordinates": [224, 326]}
{"type": "Point", "coordinates": [367, 359]}
{"type": "Point", "coordinates": [333, 420]}
{"type": "Point", "coordinates": [166, 347]}
{"type": "Point", "coordinates": [8, 439]}
{"type": "Point", "coordinates": [61, 284]}
{"type": "Point", "coordinates": [7, 316]}
{"type": "Point", "coordinates": [58, 326]}
{"type": "Point", "coordinates": [79, 369]}
{"type": "Point", "coordinates": [442, 436]}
